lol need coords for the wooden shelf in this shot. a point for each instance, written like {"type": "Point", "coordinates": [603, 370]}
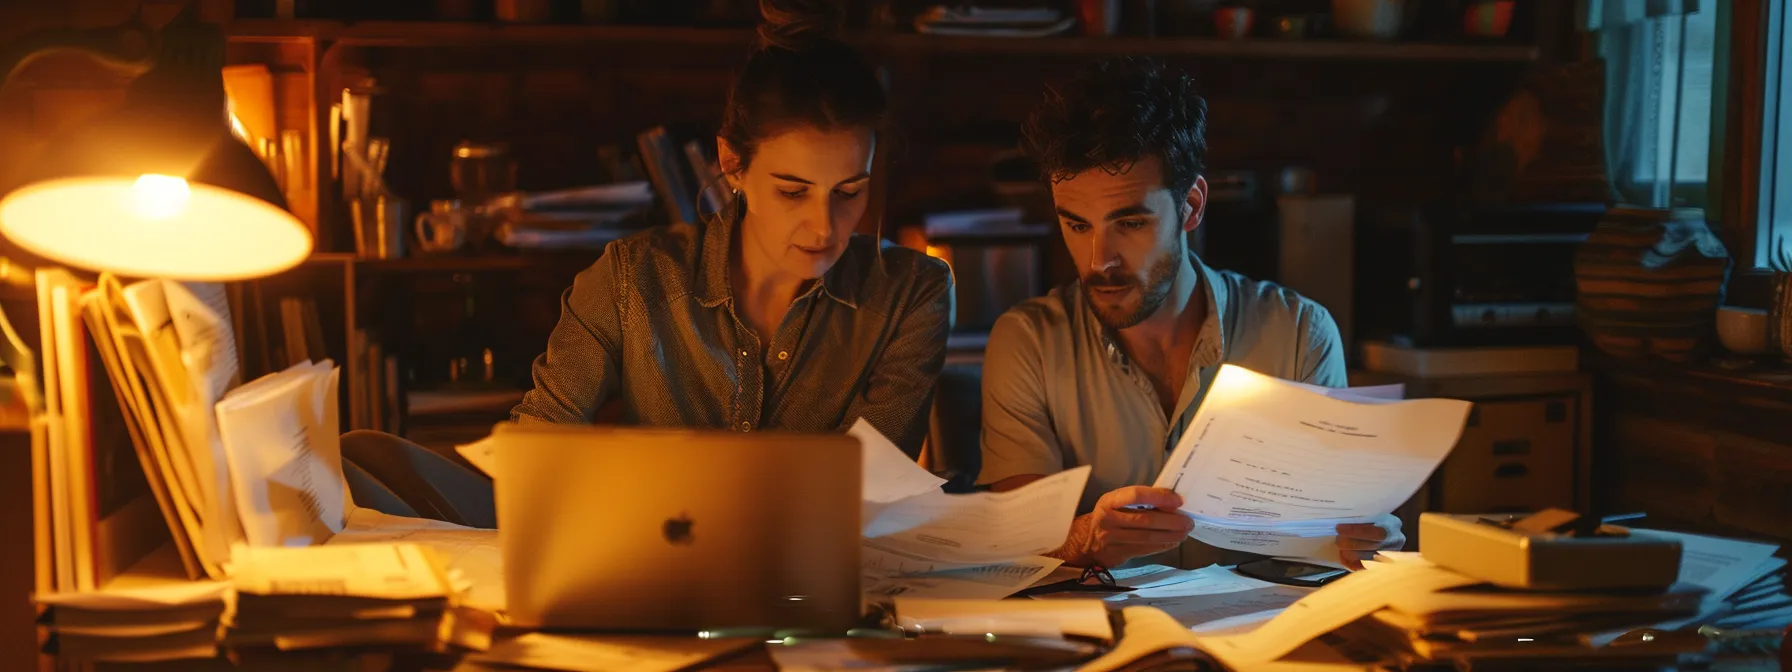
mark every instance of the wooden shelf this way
{"type": "Point", "coordinates": [443, 33]}
{"type": "Point", "coordinates": [474, 263]}
{"type": "Point", "coordinates": [432, 34]}
{"type": "Point", "coordinates": [1348, 50]}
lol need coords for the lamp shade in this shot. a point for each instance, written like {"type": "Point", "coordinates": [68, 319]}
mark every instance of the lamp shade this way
{"type": "Point", "coordinates": [159, 187]}
{"type": "Point", "coordinates": [154, 226]}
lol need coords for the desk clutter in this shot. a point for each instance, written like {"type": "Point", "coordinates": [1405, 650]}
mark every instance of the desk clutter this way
{"type": "Point", "coordinates": [188, 515]}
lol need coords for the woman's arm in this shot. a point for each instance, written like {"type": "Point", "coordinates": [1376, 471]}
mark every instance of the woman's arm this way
{"type": "Point", "coordinates": [580, 369]}
{"type": "Point", "coordinates": [899, 396]}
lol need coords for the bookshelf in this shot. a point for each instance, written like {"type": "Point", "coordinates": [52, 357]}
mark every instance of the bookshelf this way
{"type": "Point", "coordinates": [402, 34]}
{"type": "Point", "coordinates": [1311, 101]}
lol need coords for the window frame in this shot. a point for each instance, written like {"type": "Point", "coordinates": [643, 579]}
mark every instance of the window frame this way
{"type": "Point", "coordinates": [1737, 174]}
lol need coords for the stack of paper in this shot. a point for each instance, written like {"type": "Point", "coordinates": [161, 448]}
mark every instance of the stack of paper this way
{"type": "Point", "coordinates": [1487, 623]}
{"type": "Point", "coordinates": [594, 653]}
{"type": "Point", "coordinates": [1745, 583]}
{"type": "Point", "coordinates": [1212, 600]}
{"type": "Point", "coordinates": [472, 555]}
{"type": "Point", "coordinates": [922, 542]}
{"type": "Point", "coordinates": [141, 620]}
{"type": "Point", "coordinates": [1273, 467]}
{"type": "Point", "coordinates": [359, 595]}
{"type": "Point", "coordinates": [166, 352]}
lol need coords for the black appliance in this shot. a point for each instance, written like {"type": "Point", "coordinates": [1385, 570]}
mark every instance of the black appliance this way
{"type": "Point", "coordinates": [1473, 275]}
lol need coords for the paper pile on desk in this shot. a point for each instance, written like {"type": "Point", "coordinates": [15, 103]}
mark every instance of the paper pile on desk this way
{"type": "Point", "coordinates": [226, 464]}
{"type": "Point", "coordinates": [1213, 600]}
{"type": "Point", "coordinates": [1273, 467]}
{"type": "Point", "coordinates": [384, 595]}
{"type": "Point", "coordinates": [920, 541]}
{"type": "Point", "coordinates": [150, 617]}
{"type": "Point", "coordinates": [1745, 584]}
{"type": "Point", "coordinates": [471, 555]}
{"type": "Point", "coordinates": [602, 653]}
{"type": "Point", "coordinates": [1412, 612]}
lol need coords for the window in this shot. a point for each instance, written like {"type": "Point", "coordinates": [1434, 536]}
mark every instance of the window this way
{"type": "Point", "coordinates": [1658, 101]}
{"type": "Point", "coordinates": [1773, 242]}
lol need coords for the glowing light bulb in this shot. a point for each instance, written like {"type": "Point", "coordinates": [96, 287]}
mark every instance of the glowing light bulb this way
{"type": "Point", "coordinates": [159, 197]}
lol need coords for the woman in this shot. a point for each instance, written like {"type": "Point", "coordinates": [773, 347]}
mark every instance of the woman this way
{"type": "Point", "coordinates": [773, 314]}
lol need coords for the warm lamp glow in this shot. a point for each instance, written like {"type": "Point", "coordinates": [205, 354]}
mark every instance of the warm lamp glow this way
{"type": "Point", "coordinates": [155, 226]}
{"type": "Point", "coordinates": [160, 197]}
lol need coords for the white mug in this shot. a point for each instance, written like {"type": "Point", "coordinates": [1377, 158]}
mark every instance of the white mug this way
{"type": "Point", "coordinates": [443, 228]}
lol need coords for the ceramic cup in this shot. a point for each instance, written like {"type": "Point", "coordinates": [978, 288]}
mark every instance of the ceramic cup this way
{"type": "Point", "coordinates": [1233, 23]}
{"type": "Point", "coordinates": [1743, 330]}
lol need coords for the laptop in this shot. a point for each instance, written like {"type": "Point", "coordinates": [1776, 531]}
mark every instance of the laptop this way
{"type": "Point", "coordinates": [641, 529]}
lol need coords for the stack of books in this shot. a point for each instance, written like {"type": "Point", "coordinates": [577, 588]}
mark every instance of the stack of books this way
{"type": "Point", "coordinates": [363, 596]}
{"type": "Point", "coordinates": [137, 621]}
{"type": "Point", "coordinates": [1483, 624]}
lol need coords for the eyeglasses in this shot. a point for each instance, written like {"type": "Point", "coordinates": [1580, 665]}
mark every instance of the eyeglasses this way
{"type": "Point", "coordinates": [1103, 583]}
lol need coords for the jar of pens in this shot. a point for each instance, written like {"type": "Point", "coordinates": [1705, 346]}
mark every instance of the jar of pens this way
{"type": "Point", "coordinates": [380, 218]}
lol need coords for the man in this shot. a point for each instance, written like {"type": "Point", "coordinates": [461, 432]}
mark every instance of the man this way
{"type": "Point", "coordinates": [1107, 371]}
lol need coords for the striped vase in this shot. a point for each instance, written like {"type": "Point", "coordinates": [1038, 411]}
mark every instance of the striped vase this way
{"type": "Point", "coordinates": [1649, 283]}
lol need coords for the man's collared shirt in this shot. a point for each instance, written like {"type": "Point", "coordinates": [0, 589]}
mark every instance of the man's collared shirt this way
{"type": "Point", "coordinates": [1059, 392]}
{"type": "Point", "coordinates": [653, 325]}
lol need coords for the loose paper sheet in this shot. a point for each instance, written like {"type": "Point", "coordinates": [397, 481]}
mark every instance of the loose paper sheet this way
{"type": "Point", "coordinates": [473, 553]}
{"type": "Point", "coordinates": [888, 574]}
{"type": "Point", "coordinates": [1323, 611]}
{"type": "Point", "coordinates": [590, 653]}
{"type": "Point", "coordinates": [1032, 618]}
{"type": "Point", "coordinates": [397, 571]}
{"type": "Point", "coordinates": [1272, 467]}
{"type": "Point", "coordinates": [985, 527]}
{"type": "Point", "coordinates": [285, 456]}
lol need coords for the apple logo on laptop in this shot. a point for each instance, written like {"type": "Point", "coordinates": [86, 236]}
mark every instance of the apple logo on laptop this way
{"type": "Point", "coordinates": [678, 530]}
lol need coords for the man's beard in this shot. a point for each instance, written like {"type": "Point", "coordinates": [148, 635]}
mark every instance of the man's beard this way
{"type": "Point", "coordinates": [1152, 293]}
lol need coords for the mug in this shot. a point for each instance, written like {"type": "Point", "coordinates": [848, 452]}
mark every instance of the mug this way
{"type": "Point", "coordinates": [443, 228]}
{"type": "Point", "coordinates": [379, 226]}
{"type": "Point", "coordinates": [1233, 23]}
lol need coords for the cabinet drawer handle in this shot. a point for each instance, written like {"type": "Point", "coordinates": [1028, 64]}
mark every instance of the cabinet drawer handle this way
{"type": "Point", "coordinates": [1511, 471]}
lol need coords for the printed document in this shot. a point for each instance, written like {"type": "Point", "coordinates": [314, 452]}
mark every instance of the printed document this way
{"type": "Point", "coordinates": [889, 476]}
{"type": "Point", "coordinates": [471, 553]}
{"type": "Point", "coordinates": [285, 456]}
{"type": "Point", "coordinates": [985, 527]}
{"type": "Point", "coordinates": [1272, 467]}
{"type": "Point", "coordinates": [597, 653]}
{"type": "Point", "coordinates": [397, 571]}
{"type": "Point", "coordinates": [1322, 611]}
{"type": "Point", "coordinates": [888, 573]}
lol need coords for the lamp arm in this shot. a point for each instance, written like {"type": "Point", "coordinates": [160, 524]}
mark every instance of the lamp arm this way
{"type": "Point", "coordinates": [128, 48]}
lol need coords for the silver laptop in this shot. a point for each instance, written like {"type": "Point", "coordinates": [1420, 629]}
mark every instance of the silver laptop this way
{"type": "Point", "coordinates": [656, 529]}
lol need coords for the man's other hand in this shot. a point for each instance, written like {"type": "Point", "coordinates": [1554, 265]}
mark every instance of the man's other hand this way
{"type": "Point", "coordinates": [1359, 541]}
{"type": "Point", "coordinates": [1113, 533]}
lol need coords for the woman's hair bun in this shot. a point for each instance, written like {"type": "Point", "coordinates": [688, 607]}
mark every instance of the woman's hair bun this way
{"type": "Point", "coordinates": [797, 25]}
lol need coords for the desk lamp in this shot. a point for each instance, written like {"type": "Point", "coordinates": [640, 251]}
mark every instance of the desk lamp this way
{"type": "Point", "coordinates": [158, 187]}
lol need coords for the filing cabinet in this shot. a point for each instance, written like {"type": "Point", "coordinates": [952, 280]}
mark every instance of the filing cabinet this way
{"type": "Point", "coordinates": [1527, 444]}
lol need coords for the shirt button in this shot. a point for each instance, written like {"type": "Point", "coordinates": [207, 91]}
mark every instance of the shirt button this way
{"type": "Point", "coordinates": [783, 355]}
{"type": "Point", "coordinates": [743, 353]}
{"type": "Point", "coordinates": [746, 426]}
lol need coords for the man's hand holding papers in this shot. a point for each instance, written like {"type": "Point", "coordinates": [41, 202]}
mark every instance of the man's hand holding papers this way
{"type": "Point", "coordinates": [1126, 523]}
{"type": "Point", "coordinates": [1285, 470]}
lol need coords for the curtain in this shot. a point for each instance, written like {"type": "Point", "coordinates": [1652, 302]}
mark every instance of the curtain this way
{"type": "Point", "coordinates": [1643, 46]}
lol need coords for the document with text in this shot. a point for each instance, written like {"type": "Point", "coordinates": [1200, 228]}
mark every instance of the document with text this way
{"type": "Point", "coordinates": [1272, 467]}
{"type": "Point", "coordinates": [984, 527]}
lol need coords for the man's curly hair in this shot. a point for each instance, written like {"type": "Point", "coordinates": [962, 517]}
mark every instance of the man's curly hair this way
{"type": "Point", "coordinates": [1113, 113]}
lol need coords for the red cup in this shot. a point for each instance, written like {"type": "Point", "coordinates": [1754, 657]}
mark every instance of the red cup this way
{"type": "Point", "coordinates": [1233, 23]}
{"type": "Point", "coordinates": [1488, 18]}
